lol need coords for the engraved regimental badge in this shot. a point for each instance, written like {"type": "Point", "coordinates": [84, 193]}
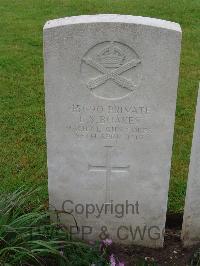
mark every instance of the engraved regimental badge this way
{"type": "Point", "coordinates": [111, 70]}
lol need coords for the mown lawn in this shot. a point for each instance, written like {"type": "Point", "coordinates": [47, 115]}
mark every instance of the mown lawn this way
{"type": "Point", "coordinates": [23, 148]}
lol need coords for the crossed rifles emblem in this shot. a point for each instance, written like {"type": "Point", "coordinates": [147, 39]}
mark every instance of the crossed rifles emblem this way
{"type": "Point", "coordinates": [111, 74]}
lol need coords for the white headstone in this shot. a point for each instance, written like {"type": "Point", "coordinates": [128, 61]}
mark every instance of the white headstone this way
{"type": "Point", "coordinates": [191, 219]}
{"type": "Point", "coordinates": [111, 85]}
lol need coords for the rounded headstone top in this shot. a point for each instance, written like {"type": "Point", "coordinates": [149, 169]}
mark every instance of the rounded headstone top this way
{"type": "Point", "coordinates": [113, 18]}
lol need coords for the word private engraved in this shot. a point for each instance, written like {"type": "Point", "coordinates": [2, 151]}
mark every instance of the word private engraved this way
{"type": "Point", "coordinates": [109, 169]}
{"type": "Point", "coordinates": [111, 70]}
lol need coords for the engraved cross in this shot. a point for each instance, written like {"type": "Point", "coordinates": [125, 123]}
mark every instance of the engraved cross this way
{"type": "Point", "coordinates": [109, 169]}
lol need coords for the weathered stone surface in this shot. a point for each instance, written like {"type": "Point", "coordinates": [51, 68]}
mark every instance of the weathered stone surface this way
{"type": "Point", "coordinates": [191, 219]}
{"type": "Point", "coordinates": [111, 84]}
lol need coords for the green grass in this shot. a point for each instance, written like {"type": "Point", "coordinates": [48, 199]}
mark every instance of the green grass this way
{"type": "Point", "coordinates": [23, 148]}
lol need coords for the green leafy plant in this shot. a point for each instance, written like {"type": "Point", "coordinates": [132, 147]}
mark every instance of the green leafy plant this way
{"type": "Point", "coordinates": [28, 237]}
{"type": "Point", "coordinates": [195, 261]}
